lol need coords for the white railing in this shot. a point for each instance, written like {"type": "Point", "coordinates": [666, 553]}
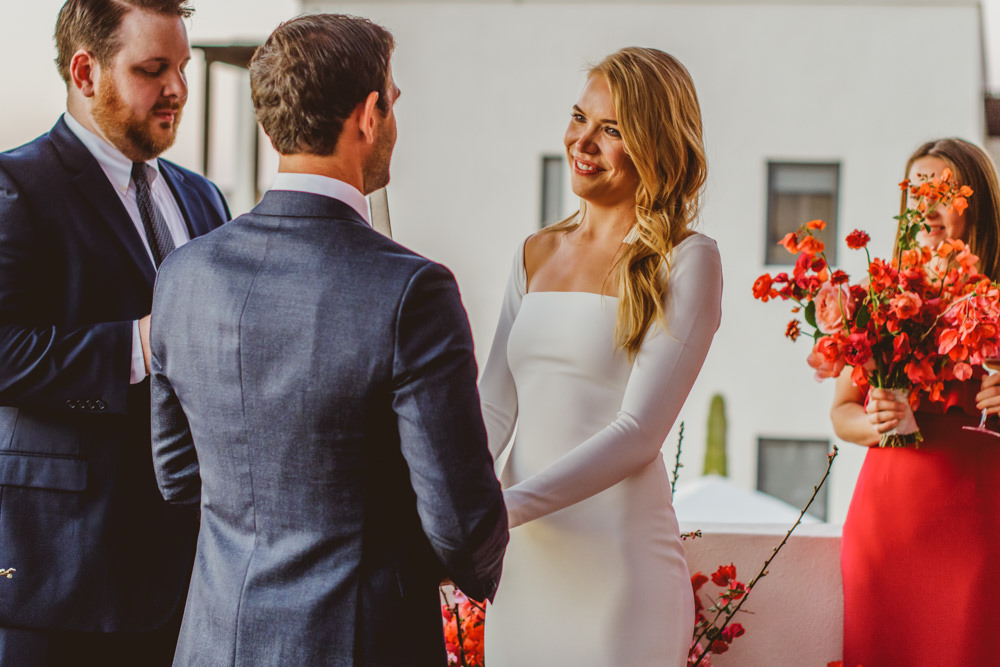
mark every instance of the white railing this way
{"type": "Point", "coordinates": [794, 616]}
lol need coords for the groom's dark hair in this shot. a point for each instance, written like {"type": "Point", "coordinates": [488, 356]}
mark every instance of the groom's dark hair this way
{"type": "Point", "coordinates": [93, 25]}
{"type": "Point", "coordinates": [312, 72]}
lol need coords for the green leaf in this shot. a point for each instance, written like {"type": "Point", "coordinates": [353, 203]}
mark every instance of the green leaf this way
{"type": "Point", "coordinates": [810, 313]}
{"type": "Point", "coordinates": [864, 316]}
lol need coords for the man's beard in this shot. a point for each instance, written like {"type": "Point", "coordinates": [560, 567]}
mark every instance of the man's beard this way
{"type": "Point", "coordinates": [376, 169]}
{"type": "Point", "coordinates": [127, 132]}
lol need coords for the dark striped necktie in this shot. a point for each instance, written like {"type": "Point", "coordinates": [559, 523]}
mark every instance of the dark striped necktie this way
{"type": "Point", "coordinates": [157, 233]}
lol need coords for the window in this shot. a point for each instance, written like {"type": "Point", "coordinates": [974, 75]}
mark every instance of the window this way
{"type": "Point", "coordinates": [789, 469]}
{"type": "Point", "coordinates": [553, 184]}
{"type": "Point", "coordinates": [798, 193]}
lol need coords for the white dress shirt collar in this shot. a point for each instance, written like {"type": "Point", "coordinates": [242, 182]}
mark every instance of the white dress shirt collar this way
{"type": "Point", "coordinates": [115, 165]}
{"type": "Point", "coordinates": [325, 186]}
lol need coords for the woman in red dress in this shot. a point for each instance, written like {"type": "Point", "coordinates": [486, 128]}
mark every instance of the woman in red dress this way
{"type": "Point", "coordinates": [922, 537]}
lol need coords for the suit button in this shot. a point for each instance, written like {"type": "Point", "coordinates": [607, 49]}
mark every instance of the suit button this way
{"type": "Point", "coordinates": [89, 404]}
{"type": "Point", "coordinates": [73, 405]}
{"type": "Point", "coordinates": [100, 404]}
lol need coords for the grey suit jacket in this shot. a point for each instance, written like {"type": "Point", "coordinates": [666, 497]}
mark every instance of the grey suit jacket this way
{"type": "Point", "coordinates": [314, 389]}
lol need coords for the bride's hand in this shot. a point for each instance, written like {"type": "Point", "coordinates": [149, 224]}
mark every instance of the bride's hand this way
{"type": "Point", "coordinates": [884, 411]}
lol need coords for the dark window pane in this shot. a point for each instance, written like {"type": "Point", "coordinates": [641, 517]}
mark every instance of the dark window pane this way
{"type": "Point", "coordinates": [796, 194]}
{"type": "Point", "coordinates": [788, 470]}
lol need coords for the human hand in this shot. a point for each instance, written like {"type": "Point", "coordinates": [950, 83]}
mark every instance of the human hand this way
{"type": "Point", "coordinates": [144, 339]}
{"type": "Point", "coordinates": [988, 398]}
{"type": "Point", "coordinates": [884, 411]}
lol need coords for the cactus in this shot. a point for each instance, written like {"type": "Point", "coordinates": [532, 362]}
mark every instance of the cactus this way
{"type": "Point", "coordinates": [715, 445]}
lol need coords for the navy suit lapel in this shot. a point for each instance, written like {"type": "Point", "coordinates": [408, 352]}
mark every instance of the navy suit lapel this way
{"type": "Point", "coordinates": [197, 219]}
{"type": "Point", "coordinates": [93, 185]}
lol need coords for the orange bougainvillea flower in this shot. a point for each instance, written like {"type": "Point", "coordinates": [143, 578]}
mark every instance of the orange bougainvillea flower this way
{"type": "Point", "coordinates": [790, 242]}
{"type": "Point", "coordinates": [960, 204]}
{"type": "Point", "coordinates": [811, 245]}
{"type": "Point", "coordinates": [903, 184]}
{"type": "Point", "coordinates": [816, 224]}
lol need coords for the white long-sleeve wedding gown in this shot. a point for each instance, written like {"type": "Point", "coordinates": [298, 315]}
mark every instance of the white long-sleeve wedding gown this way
{"type": "Point", "coordinates": [594, 573]}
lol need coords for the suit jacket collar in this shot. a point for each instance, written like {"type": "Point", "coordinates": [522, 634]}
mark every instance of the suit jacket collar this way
{"type": "Point", "coordinates": [291, 204]}
{"type": "Point", "coordinates": [93, 185]}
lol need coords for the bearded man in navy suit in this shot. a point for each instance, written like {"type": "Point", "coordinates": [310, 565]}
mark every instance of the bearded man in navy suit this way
{"type": "Point", "coordinates": [314, 391]}
{"type": "Point", "coordinates": [101, 561]}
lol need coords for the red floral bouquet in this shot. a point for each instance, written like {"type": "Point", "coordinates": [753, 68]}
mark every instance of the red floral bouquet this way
{"type": "Point", "coordinates": [464, 624]}
{"type": "Point", "coordinates": [917, 321]}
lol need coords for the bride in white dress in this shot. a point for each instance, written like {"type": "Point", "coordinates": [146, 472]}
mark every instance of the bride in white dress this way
{"type": "Point", "coordinates": [607, 319]}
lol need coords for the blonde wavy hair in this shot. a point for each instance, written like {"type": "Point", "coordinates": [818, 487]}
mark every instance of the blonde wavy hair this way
{"type": "Point", "coordinates": [660, 123]}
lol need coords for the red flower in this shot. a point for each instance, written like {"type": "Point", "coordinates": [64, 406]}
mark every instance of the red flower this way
{"type": "Point", "coordinates": [724, 575]}
{"type": "Point", "coordinates": [737, 590]}
{"type": "Point", "coordinates": [732, 631]}
{"type": "Point", "coordinates": [857, 350]}
{"type": "Point", "coordinates": [792, 330]}
{"type": "Point", "coordinates": [719, 646]}
{"type": "Point", "coordinates": [698, 580]}
{"type": "Point", "coordinates": [857, 239]}
{"type": "Point", "coordinates": [762, 288]}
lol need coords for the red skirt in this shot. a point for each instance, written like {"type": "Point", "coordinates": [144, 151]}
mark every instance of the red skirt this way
{"type": "Point", "coordinates": [920, 554]}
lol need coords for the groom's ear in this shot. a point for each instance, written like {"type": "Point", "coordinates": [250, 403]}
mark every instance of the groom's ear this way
{"type": "Point", "coordinates": [366, 119]}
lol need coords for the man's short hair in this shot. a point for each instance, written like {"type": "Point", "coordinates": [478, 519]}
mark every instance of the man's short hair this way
{"type": "Point", "coordinates": [93, 25]}
{"type": "Point", "coordinates": [312, 72]}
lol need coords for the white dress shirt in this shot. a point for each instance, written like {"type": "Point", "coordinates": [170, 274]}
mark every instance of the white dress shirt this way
{"type": "Point", "coordinates": [118, 169]}
{"type": "Point", "coordinates": [325, 186]}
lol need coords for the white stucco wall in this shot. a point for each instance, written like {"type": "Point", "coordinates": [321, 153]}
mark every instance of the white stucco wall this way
{"type": "Point", "coordinates": [487, 88]}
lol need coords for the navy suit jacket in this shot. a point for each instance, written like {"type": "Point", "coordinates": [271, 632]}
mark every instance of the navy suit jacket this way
{"type": "Point", "coordinates": [81, 520]}
{"type": "Point", "coordinates": [314, 388]}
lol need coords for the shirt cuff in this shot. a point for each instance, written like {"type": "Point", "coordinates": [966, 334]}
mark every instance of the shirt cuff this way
{"type": "Point", "coordinates": [138, 373]}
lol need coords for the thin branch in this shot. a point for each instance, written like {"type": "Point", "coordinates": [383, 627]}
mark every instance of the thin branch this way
{"type": "Point", "coordinates": [763, 570]}
{"type": "Point", "coordinates": [677, 460]}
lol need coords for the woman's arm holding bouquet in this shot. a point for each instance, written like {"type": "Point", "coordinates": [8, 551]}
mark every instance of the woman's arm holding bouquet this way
{"type": "Point", "coordinates": [862, 424]}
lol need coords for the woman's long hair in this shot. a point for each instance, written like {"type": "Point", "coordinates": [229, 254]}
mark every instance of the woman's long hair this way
{"type": "Point", "coordinates": [973, 167]}
{"type": "Point", "coordinates": [660, 123]}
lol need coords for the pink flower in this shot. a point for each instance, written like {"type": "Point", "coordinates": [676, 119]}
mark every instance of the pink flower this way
{"type": "Point", "coordinates": [826, 358]}
{"type": "Point", "coordinates": [833, 304]}
{"type": "Point", "coordinates": [906, 305]}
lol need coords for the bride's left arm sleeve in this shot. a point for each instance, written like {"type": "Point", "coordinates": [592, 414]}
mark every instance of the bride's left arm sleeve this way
{"type": "Point", "coordinates": [664, 371]}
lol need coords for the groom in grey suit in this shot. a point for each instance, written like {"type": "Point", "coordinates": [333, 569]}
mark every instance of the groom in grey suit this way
{"type": "Point", "coordinates": [313, 389]}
